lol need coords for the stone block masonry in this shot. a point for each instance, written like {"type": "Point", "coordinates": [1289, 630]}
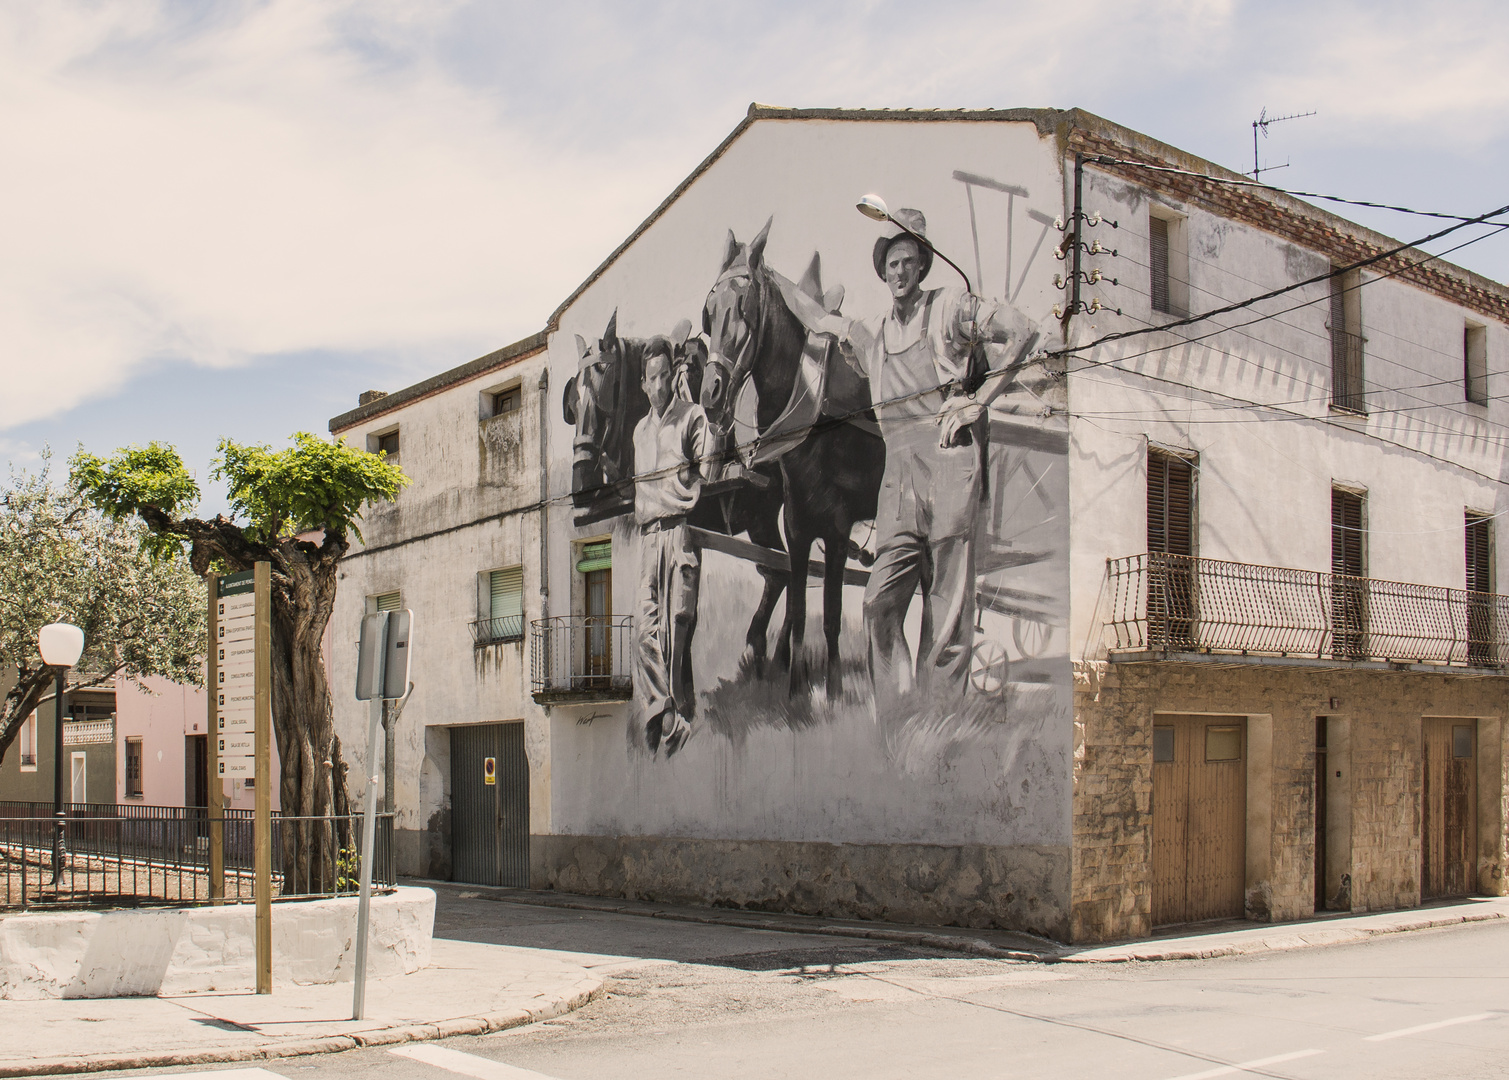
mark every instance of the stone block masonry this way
{"type": "Point", "coordinates": [1115, 706]}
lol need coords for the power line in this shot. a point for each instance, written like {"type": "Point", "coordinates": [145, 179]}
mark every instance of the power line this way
{"type": "Point", "coordinates": [1335, 271]}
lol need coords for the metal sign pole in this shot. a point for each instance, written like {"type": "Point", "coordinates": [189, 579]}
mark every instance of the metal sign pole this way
{"type": "Point", "coordinates": [369, 831]}
{"type": "Point", "coordinates": [262, 772]}
{"type": "Point", "coordinates": [215, 786]}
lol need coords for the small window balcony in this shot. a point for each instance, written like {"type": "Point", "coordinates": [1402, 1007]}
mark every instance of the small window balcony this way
{"type": "Point", "coordinates": [581, 658]}
{"type": "Point", "coordinates": [1168, 604]}
{"type": "Point", "coordinates": [504, 628]}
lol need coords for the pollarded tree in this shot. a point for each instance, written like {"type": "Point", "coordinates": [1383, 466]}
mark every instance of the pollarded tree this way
{"type": "Point", "coordinates": [62, 560]}
{"type": "Point", "coordinates": [295, 509]}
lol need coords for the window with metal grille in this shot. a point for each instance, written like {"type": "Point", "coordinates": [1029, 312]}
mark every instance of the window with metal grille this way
{"type": "Point", "coordinates": [1157, 234]}
{"type": "Point", "coordinates": [1349, 564]}
{"type": "Point", "coordinates": [388, 601]}
{"type": "Point", "coordinates": [1481, 647]}
{"type": "Point", "coordinates": [28, 740]}
{"type": "Point", "coordinates": [1475, 363]}
{"type": "Point", "coordinates": [1171, 599]}
{"type": "Point", "coordinates": [1348, 391]}
{"type": "Point", "coordinates": [133, 768]}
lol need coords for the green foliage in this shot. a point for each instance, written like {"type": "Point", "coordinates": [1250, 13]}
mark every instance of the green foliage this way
{"type": "Point", "coordinates": [153, 476]}
{"type": "Point", "coordinates": [312, 484]}
{"type": "Point", "coordinates": [348, 870]}
{"type": "Point", "coordinates": [62, 560]}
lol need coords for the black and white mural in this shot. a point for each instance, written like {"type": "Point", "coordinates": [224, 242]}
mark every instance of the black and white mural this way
{"type": "Point", "coordinates": [837, 501]}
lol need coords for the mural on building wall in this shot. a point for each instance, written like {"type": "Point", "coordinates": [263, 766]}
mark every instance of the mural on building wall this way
{"type": "Point", "coordinates": [903, 458]}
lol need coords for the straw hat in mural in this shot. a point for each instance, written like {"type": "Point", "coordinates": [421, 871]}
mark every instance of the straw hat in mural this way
{"type": "Point", "coordinates": [913, 220]}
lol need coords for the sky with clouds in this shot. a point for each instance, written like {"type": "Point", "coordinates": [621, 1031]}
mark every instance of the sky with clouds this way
{"type": "Point", "coordinates": [228, 219]}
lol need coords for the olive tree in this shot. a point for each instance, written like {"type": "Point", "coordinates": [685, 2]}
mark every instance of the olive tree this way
{"type": "Point", "coordinates": [297, 509]}
{"type": "Point", "coordinates": [62, 560]}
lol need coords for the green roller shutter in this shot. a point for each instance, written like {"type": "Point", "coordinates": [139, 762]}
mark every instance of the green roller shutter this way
{"type": "Point", "coordinates": [390, 601]}
{"type": "Point", "coordinates": [507, 592]}
{"type": "Point", "coordinates": [598, 556]}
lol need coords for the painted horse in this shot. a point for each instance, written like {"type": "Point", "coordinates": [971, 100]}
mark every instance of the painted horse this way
{"type": "Point", "coordinates": [605, 402]}
{"type": "Point", "coordinates": [831, 467]}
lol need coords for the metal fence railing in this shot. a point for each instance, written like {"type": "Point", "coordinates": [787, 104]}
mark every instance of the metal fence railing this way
{"type": "Point", "coordinates": [582, 657]}
{"type": "Point", "coordinates": [1177, 603]}
{"type": "Point", "coordinates": [1348, 390]}
{"type": "Point", "coordinates": [492, 631]}
{"type": "Point", "coordinates": [132, 855]}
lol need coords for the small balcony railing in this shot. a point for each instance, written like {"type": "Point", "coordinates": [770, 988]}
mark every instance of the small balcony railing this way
{"type": "Point", "coordinates": [495, 631]}
{"type": "Point", "coordinates": [581, 658]}
{"type": "Point", "coordinates": [1347, 387]}
{"type": "Point", "coordinates": [1175, 603]}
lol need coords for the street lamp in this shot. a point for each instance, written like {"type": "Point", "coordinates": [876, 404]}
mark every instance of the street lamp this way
{"type": "Point", "coordinates": [60, 644]}
{"type": "Point", "coordinates": [873, 207]}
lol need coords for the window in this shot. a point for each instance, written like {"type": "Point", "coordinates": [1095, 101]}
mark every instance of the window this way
{"type": "Point", "coordinates": [503, 607]}
{"type": "Point", "coordinates": [1475, 363]}
{"type": "Point", "coordinates": [1480, 621]}
{"type": "Point", "coordinates": [1168, 262]}
{"type": "Point", "coordinates": [28, 740]}
{"type": "Point", "coordinates": [1349, 564]}
{"type": "Point", "coordinates": [385, 442]}
{"type": "Point", "coordinates": [133, 768]}
{"type": "Point", "coordinates": [388, 601]}
{"type": "Point", "coordinates": [1163, 744]}
{"type": "Point", "coordinates": [1170, 543]}
{"type": "Point", "coordinates": [1462, 740]}
{"type": "Point", "coordinates": [596, 568]}
{"type": "Point", "coordinates": [502, 402]}
{"type": "Point", "coordinates": [1345, 324]}
{"type": "Point", "coordinates": [1223, 743]}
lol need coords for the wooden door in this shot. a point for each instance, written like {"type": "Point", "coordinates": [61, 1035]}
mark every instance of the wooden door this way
{"type": "Point", "coordinates": [1199, 818]}
{"type": "Point", "coordinates": [1449, 818]}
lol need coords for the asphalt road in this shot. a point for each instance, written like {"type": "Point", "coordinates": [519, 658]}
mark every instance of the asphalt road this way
{"type": "Point", "coordinates": [713, 1001]}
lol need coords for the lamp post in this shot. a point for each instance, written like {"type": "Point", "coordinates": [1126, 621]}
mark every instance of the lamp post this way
{"type": "Point", "coordinates": [60, 644]}
{"type": "Point", "coordinates": [874, 207]}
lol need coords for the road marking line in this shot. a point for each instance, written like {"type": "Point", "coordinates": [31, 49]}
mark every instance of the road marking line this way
{"type": "Point", "coordinates": [1243, 1066]}
{"type": "Point", "coordinates": [466, 1064]}
{"type": "Point", "coordinates": [223, 1074]}
{"type": "Point", "coordinates": [1474, 1018]}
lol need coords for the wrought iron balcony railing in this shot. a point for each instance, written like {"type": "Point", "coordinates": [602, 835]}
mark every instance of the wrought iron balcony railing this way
{"type": "Point", "coordinates": [494, 631]}
{"type": "Point", "coordinates": [581, 658]}
{"type": "Point", "coordinates": [1174, 603]}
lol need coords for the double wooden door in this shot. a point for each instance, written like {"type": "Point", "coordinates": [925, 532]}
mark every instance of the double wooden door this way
{"type": "Point", "coordinates": [1449, 805]}
{"type": "Point", "coordinates": [1199, 818]}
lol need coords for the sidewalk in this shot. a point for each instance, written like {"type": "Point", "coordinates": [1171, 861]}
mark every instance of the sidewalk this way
{"type": "Point", "coordinates": [467, 989]}
{"type": "Point", "coordinates": [1231, 937]}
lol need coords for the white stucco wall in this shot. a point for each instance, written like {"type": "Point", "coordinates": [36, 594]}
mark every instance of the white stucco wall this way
{"type": "Point", "coordinates": [1423, 454]}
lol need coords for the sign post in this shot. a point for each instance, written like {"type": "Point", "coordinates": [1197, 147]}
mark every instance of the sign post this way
{"type": "Point", "coordinates": [382, 674]}
{"type": "Point", "coordinates": [216, 793]}
{"type": "Point", "coordinates": [241, 693]}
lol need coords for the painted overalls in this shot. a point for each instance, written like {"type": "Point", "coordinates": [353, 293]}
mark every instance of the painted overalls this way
{"type": "Point", "coordinates": [925, 526]}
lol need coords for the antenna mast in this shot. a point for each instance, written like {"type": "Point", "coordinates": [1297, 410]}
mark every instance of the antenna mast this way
{"type": "Point", "coordinates": [1261, 124]}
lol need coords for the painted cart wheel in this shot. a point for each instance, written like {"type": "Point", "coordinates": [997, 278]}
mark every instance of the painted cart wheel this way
{"type": "Point", "coordinates": [989, 667]}
{"type": "Point", "coordinates": [1032, 637]}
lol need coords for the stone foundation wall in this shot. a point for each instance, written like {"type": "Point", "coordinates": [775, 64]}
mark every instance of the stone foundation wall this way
{"type": "Point", "coordinates": [1380, 762]}
{"type": "Point", "coordinates": [1013, 888]}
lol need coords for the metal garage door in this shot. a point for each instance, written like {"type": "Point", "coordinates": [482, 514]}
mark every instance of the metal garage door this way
{"type": "Point", "coordinates": [1449, 808]}
{"type": "Point", "coordinates": [1199, 818]}
{"type": "Point", "coordinates": [489, 805]}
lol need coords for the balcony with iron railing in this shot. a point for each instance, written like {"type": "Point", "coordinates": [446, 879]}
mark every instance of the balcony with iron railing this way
{"type": "Point", "coordinates": [1162, 604]}
{"type": "Point", "coordinates": [581, 658]}
{"type": "Point", "coordinates": [497, 631]}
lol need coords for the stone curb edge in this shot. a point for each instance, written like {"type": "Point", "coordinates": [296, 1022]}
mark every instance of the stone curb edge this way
{"type": "Point", "coordinates": [582, 992]}
{"type": "Point", "coordinates": [1296, 940]}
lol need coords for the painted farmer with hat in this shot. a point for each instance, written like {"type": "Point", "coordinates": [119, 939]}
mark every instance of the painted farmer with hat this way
{"type": "Point", "coordinates": [929, 363]}
{"type": "Point", "coordinates": [670, 445]}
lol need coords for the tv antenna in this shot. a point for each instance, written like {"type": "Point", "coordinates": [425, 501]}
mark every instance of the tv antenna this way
{"type": "Point", "coordinates": [1261, 124]}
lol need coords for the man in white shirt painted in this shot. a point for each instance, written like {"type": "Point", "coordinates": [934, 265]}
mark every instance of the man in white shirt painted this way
{"type": "Point", "coordinates": [670, 445]}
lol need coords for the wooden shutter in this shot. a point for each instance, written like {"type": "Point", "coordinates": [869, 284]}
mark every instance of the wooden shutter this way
{"type": "Point", "coordinates": [1170, 504]}
{"type": "Point", "coordinates": [1157, 234]}
{"type": "Point", "coordinates": [1479, 553]}
{"type": "Point", "coordinates": [1346, 533]}
{"type": "Point", "coordinates": [507, 592]}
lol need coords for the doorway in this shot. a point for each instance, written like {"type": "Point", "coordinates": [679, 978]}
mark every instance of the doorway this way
{"type": "Point", "coordinates": [1199, 818]}
{"type": "Point", "coordinates": [1449, 801]}
{"type": "Point", "coordinates": [489, 805]}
